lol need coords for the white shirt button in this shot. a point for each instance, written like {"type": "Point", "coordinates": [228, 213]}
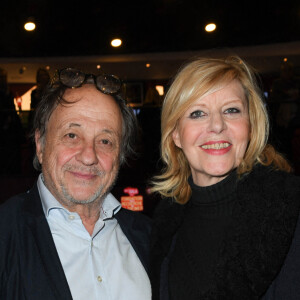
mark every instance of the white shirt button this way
{"type": "Point", "coordinates": [71, 217]}
{"type": "Point", "coordinates": [99, 278]}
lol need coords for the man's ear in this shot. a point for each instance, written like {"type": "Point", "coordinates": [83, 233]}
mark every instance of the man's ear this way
{"type": "Point", "coordinates": [176, 138]}
{"type": "Point", "coordinates": [39, 145]}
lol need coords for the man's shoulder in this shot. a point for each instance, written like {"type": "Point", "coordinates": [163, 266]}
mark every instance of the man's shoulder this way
{"type": "Point", "coordinates": [11, 216]}
{"type": "Point", "coordinates": [12, 205]}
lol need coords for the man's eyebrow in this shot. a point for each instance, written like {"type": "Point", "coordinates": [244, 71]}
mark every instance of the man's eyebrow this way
{"type": "Point", "coordinates": [105, 130]}
{"type": "Point", "coordinates": [74, 125]}
{"type": "Point", "coordinates": [109, 131]}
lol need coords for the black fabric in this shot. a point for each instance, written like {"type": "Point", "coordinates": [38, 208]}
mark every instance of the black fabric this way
{"type": "Point", "coordinates": [212, 197]}
{"type": "Point", "coordinates": [168, 219]}
{"type": "Point", "coordinates": [259, 238]}
{"type": "Point", "coordinates": [207, 217]}
{"type": "Point", "coordinates": [29, 264]}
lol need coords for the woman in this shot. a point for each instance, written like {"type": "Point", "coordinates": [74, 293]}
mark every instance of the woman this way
{"type": "Point", "coordinates": [227, 227]}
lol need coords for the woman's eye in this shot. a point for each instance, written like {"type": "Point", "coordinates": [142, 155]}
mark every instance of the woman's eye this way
{"type": "Point", "coordinates": [196, 114]}
{"type": "Point", "coordinates": [232, 110]}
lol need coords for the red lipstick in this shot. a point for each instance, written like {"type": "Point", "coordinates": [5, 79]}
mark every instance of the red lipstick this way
{"type": "Point", "coordinates": [216, 147]}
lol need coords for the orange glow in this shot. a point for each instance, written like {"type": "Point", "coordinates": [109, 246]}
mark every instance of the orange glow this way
{"type": "Point", "coordinates": [132, 202]}
{"type": "Point", "coordinates": [160, 90]}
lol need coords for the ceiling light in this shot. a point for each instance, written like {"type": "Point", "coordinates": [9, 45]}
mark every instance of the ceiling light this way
{"type": "Point", "coordinates": [148, 65]}
{"type": "Point", "coordinates": [210, 27]}
{"type": "Point", "coordinates": [29, 26]}
{"type": "Point", "coordinates": [116, 42]}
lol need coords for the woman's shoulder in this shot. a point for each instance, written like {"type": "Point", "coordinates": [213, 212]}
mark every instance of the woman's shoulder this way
{"type": "Point", "coordinates": [271, 194]}
{"type": "Point", "coordinates": [268, 178]}
{"type": "Point", "coordinates": [265, 219]}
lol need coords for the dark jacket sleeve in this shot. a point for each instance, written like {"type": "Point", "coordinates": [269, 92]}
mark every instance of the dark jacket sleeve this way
{"type": "Point", "coordinates": [29, 264]}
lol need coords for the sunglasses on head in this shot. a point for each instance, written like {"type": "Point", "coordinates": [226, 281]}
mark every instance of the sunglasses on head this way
{"type": "Point", "coordinates": [73, 78]}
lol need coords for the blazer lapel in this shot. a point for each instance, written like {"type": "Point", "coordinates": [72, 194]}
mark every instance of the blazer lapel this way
{"type": "Point", "coordinates": [37, 224]}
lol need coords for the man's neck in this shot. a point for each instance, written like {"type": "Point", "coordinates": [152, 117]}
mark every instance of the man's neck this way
{"type": "Point", "coordinates": [89, 214]}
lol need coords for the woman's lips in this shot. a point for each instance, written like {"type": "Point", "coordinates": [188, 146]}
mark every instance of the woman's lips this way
{"type": "Point", "coordinates": [216, 147]}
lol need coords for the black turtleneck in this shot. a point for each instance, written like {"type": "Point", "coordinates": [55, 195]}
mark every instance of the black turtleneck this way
{"type": "Point", "coordinates": [207, 216]}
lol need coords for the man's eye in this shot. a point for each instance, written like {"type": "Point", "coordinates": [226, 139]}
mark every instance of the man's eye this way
{"type": "Point", "coordinates": [105, 142]}
{"type": "Point", "coordinates": [71, 135]}
{"type": "Point", "coordinates": [196, 114]}
{"type": "Point", "coordinates": [232, 110]}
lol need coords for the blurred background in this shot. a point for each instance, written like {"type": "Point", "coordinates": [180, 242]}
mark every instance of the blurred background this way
{"type": "Point", "coordinates": [144, 43]}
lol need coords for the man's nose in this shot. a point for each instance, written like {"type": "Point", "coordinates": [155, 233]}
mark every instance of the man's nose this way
{"type": "Point", "coordinates": [216, 123]}
{"type": "Point", "coordinates": [87, 154]}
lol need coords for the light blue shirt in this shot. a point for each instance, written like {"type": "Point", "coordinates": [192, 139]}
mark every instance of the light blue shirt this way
{"type": "Point", "coordinates": [102, 266]}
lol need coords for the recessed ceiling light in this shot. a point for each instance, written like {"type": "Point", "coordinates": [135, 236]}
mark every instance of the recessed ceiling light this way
{"type": "Point", "coordinates": [210, 27]}
{"type": "Point", "coordinates": [116, 42]}
{"type": "Point", "coordinates": [29, 26]}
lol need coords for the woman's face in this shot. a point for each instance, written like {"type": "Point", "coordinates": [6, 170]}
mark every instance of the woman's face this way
{"type": "Point", "coordinates": [214, 133]}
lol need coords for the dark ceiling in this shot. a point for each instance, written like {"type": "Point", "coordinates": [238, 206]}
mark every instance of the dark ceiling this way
{"type": "Point", "coordinates": [80, 28]}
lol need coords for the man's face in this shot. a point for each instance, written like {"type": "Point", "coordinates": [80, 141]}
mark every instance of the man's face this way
{"type": "Point", "coordinates": [81, 149]}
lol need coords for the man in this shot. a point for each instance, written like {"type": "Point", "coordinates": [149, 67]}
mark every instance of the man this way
{"type": "Point", "coordinates": [68, 237]}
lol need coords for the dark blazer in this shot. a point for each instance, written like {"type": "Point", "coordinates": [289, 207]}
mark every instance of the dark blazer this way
{"type": "Point", "coordinates": [260, 258]}
{"type": "Point", "coordinates": [29, 264]}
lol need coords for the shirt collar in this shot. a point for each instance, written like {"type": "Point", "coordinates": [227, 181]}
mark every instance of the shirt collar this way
{"type": "Point", "coordinates": [109, 207]}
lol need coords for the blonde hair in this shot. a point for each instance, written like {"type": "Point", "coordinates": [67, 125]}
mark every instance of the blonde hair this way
{"type": "Point", "coordinates": [197, 79]}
